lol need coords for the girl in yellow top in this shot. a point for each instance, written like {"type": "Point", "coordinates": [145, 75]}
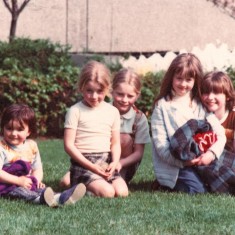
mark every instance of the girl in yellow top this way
{"type": "Point", "coordinates": [92, 135]}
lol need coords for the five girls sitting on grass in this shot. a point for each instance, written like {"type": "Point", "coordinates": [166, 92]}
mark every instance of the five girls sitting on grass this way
{"type": "Point", "coordinates": [103, 161]}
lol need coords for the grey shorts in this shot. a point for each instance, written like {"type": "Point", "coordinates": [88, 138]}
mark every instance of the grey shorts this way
{"type": "Point", "coordinates": [78, 174]}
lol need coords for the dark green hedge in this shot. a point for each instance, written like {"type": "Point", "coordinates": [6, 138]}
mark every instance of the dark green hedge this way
{"type": "Point", "coordinates": [40, 74]}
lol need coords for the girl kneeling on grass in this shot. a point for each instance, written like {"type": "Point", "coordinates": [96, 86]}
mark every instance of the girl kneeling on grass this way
{"type": "Point", "coordinates": [177, 103]}
{"type": "Point", "coordinates": [134, 125]}
{"type": "Point", "coordinates": [92, 136]}
{"type": "Point", "coordinates": [20, 163]}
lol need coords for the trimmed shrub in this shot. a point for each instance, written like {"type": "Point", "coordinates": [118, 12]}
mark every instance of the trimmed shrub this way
{"type": "Point", "coordinates": [150, 88]}
{"type": "Point", "coordinates": [40, 74]}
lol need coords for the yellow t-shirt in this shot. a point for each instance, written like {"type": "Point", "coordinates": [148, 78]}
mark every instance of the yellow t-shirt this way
{"type": "Point", "coordinates": [93, 126]}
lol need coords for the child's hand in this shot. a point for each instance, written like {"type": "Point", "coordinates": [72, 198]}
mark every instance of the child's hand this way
{"type": "Point", "coordinates": [111, 168]}
{"type": "Point", "coordinates": [102, 171]}
{"type": "Point", "coordinates": [192, 162]}
{"type": "Point", "coordinates": [41, 185]}
{"type": "Point", "coordinates": [206, 158]}
{"type": "Point", "coordinates": [119, 166]}
{"type": "Point", "coordinates": [25, 182]}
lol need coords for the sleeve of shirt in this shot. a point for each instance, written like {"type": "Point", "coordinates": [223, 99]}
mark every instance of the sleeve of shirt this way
{"type": "Point", "coordinates": [71, 118]}
{"type": "Point", "coordinates": [160, 138]}
{"type": "Point", "coordinates": [2, 157]}
{"type": "Point", "coordinates": [218, 146]}
{"type": "Point", "coordinates": [142, 131]}
{"type": "Point", "coordinates": [37, 162]}
{"type": "Point", "coordinates": [117, 122]}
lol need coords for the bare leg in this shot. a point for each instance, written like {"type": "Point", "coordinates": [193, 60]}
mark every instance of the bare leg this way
{"type": "Point", "coordinates": [65, 180]}
{"type": "Point", "coordinates": [101, 188]}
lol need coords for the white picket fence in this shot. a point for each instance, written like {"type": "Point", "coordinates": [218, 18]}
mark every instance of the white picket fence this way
{"type": "Point", "coordinates": [212, 57]}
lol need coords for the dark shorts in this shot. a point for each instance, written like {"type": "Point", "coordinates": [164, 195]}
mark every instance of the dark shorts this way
{"type": "Point", "coordinates": [78, 174]}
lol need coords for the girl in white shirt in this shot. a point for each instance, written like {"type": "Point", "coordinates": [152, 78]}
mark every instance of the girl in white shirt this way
{"type": "Point", "coordinates": [177, 103]}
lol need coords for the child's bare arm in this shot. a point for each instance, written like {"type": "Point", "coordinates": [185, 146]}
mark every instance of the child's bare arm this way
{"type": "Point", "coordinates": [76, 155]}
{"type": "Point", "coordinates": [115, 150]}
{"type": "Point", "coordinates": [38, 174]}
{"type": "Point", "coordinates": [22, 181]}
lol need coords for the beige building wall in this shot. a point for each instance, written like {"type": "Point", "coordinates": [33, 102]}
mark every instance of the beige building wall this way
{"type": "Point", "coordinates": [123, 25]}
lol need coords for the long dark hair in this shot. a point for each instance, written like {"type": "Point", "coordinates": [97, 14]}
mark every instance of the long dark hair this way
{"type": "Point", "coordinates": [185, 65]}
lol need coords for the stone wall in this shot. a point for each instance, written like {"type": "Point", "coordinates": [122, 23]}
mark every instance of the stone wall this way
{"type": "Point", "coordinates": [120, 26]}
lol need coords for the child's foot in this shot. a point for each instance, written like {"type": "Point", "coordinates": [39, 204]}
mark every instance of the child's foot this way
{"type": "Point", "coordinates": [49, 197]}
{"type": "Point", "coordinates": [72, 195]}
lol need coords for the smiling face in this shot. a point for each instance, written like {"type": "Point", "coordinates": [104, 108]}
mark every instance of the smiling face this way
{"type": "Point", "coordinates": [93, 94]}
{"type": "Point", "coordinates": [124, 96]}
{"type": "Point", "coordinates": [215, 102]}
{"type": "Point", "coordinates": [15, 133]}
{"type": "Point", "coordinates": [182, 85]}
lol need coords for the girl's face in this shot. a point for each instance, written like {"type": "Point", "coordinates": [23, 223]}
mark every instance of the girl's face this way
{"type": "Point", "coordinates": [93, 94]}
{"type": "Point", "coordinates": [14, 133]}
{"type": "Point", "coordinates": [182, 86]}
{"type": "Point", "coordinates": [124, 96]}
{"type": "Point", "coordinates": [215, 102]}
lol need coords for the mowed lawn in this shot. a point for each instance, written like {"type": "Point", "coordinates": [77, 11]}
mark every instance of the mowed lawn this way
{"type": "Point", "coordinates": [143, 212]}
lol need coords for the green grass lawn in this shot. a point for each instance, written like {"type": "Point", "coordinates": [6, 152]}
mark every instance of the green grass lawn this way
{"type": "Point", "coordinates": [143, 212]}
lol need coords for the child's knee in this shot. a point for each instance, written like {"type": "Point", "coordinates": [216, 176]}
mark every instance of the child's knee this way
{"type": "Point", "coordinates": [122, 192]}
{"type": "Point", "coordinates": [108, 192]}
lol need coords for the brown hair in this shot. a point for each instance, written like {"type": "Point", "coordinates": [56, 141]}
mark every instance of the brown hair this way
{"type": "Point", "coordinates": [219, 82]}
{"type": "Point", "coordinates": [127, 76]}
{"type": "Point", "coordinates": [95, 71]}
{"type": "Point", "coordinates": [185, 65]}
{"type": "Point", "coordinates": [21, 113]}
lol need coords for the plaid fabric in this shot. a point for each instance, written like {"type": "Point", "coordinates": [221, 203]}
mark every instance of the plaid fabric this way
{"type": "Point", "coordinates": [219, 176]}
{"type": "Point", "coordinates": [183, 145]}
{"type": "Point", "coordinates": [79, 174]}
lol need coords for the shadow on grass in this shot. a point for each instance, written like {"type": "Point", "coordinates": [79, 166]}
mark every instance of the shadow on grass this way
{"type": "Point", "coordinates": [54, 184]}
{"type": "Point", "coordinates": [141, 186]}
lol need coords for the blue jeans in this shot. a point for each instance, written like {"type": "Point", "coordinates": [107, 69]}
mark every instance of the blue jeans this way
{"type": "Point", "coordinates": [189, 182]}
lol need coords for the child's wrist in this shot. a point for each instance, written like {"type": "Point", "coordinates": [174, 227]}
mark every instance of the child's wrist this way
{"type": "Point", "coordinates": [212, 154]}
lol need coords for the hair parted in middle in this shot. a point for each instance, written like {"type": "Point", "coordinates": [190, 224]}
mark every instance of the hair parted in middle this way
{"type": "Point", "coordinates": [127, 76]}
{"type": "Point", "coordinates": [95, 71]}
{"type": "Point", "coordinates": [185, 65]}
